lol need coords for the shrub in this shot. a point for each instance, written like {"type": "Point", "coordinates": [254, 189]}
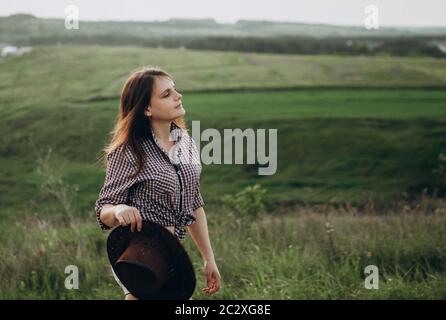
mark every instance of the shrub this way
{"type": "Point", "coordinates": [249, 202]}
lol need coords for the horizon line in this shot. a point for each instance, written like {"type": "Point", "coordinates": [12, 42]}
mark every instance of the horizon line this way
{"type": "Point", "coordinates": [228, 23]}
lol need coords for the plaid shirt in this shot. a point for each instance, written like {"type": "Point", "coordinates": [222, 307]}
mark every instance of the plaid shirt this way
{"type": "Point", "coordinates": [167, 189]}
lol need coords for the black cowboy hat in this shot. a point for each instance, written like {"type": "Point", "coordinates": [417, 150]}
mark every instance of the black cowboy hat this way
{"type": "Point", "coordinates": [152, 263]}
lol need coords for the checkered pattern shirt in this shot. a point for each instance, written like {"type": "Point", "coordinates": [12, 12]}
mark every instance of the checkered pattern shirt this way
{"type": "Point", "coordinates": [167, 189]}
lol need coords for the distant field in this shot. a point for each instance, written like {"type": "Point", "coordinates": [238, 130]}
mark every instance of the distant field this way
{"type": "Point", "coordinates": [60, 76]}
{"type": "Point", "coordinates": [333, 145]}
{"type": "Point", "coordinates": [317, 104]}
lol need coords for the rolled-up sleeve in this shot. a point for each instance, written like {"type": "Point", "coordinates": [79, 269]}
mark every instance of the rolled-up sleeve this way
{"type": "Point", "coordinates": [117, 182]}
{"type": "Point", "coordinates": [198, 198]}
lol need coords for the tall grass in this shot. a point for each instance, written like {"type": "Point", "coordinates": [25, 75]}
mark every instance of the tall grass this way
{"type": "Point", "coordinates": [286, 256]}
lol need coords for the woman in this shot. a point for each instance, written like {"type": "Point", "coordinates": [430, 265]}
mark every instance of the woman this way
{"type": "Point", "coordinates": [153, 168]}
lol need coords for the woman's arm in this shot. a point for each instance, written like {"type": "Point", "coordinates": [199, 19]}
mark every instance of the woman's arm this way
{"type": "Point", "coordinates": [110, 207]}
{"type": "Point", "coordinates": [121, 214]}
{"type": "Point", "coordinates": [107, 216]}
{"type": "Point", "coordinates": [200, 235]}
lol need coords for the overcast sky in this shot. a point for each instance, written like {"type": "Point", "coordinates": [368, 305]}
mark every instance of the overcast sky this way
{"type": "Point", "coordinates": [340, 12]}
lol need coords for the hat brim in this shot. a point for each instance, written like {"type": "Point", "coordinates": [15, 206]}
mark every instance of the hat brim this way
{"type": "Point", "coordinates": [181, 282]}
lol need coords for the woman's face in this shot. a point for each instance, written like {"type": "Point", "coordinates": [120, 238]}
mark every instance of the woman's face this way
{"type": "Point", "coordinates": [165, 103]}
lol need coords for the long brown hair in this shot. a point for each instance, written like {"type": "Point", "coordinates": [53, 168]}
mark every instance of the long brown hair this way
{"type": "Point", "coordinates": [132, 125]}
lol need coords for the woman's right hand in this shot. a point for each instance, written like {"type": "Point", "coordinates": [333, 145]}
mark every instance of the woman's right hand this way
{"type": "Point", "coordinates": [126, 215]}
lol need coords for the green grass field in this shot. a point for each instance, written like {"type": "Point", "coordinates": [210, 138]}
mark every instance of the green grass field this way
{"type": "Point", "coordinates": [333, 145]}
{"type": "Point", "coordinates": [351, 131]}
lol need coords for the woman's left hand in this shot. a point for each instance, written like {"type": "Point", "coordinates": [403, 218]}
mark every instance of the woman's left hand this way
{"type": "Point", "coordinates": [213, 278]}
